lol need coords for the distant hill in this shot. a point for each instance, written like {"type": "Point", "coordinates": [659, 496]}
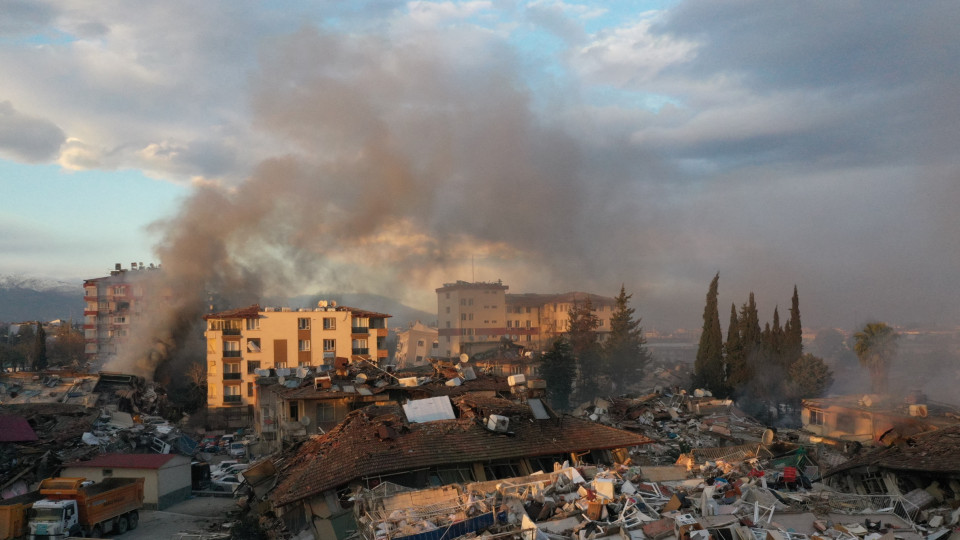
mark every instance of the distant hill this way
{"type": "Point", "coordinates": [29, 299]}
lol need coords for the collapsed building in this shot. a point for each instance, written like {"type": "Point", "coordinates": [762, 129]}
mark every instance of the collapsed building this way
{"type": "Point", "coordinates": [425, 442]}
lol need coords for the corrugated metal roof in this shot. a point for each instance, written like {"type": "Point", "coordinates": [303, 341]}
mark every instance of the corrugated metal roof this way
{"type": "Point", "coordinates": [127, 461]}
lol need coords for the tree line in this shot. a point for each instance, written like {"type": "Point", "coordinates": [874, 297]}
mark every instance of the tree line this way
{"type": "Point", "coordinates": [579, 366]}
{"type": "Point", "coordinates": [768, 365]}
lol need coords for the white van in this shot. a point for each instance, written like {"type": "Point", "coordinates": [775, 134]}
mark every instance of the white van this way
{"type": "Point", "coordinates": [238, 449]}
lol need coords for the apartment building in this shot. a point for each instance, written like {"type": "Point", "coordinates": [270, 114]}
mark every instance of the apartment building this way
{"type": "Point", "coordinates": [116, 303]}
{"type": "Point", "coordinates": [243, 341]}
{"type": "Point", "coordinates": [475, 316]}
{"type": "Point", "coordinates": [416, 345]}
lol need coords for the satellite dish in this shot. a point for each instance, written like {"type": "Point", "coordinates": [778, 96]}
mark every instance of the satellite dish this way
{"type": "Point", "coordinates": [281, 379]}
{"type": "Point", "coordinates": [305, 420]}
{"type": "Point", "coordinates": [464, 357]}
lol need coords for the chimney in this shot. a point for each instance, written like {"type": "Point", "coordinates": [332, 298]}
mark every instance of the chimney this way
{"type": "Point", "coordinates": [117, 266]}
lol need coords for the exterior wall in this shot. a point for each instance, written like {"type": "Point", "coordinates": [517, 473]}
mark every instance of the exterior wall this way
{"type": "Point", "coordinates": [284, 338]}
{"type": "Point", "coordinates": [173, 482]}
{"type": "Point", "coordinates": [470, 313]}
{"type": "Point", "coordinates": [114, 304]}
{"type": "Point", "coordinates": [151, 493]}
{"type": "Point", "coordinates": [416, 345]}
{"type": "Point", "coordinates": [232, 355]}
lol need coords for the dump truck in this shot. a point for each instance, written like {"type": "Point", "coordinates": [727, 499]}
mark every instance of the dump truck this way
{"type": "Point", "coordinates": [77, 507]}
{"type": "Point", "coordinates": [13, 515]}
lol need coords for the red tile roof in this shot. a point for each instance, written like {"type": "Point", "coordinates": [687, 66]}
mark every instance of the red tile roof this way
{"type": "Point", "coordinates": [16, 429]}
{"type": "Point", "coordinates": [933, 451]}
{"type": "Point", "coordinates": [126, 461]}
{"type": "Point", "coordinates": [249, 312]}
{"type": "Point", "coordinates": [354, 449]}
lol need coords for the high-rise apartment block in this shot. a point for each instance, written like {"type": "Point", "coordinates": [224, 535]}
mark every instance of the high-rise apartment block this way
{"type": "Point", "coordinates": [242, 342]}
{"type": "Point", "coordinates": [474, 316]}
{"type": "Point", "coordinates": [114, 304]}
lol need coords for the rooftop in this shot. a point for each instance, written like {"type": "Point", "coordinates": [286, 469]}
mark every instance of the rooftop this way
{"type": "Point", "coordinates": [932, 451]}
{"type": "Point", "coordinates": [126, 461]}
{"type": "Point", "coordinates": [378, 440]}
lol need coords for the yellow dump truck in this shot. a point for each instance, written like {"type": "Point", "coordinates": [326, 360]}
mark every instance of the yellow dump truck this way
{"type": "Point", "coordinates": [13, 515]}
{"type": "Point", "coordinates": [76, 507]}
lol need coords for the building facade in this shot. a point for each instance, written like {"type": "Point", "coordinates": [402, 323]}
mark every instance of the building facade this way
{"type": "Point", "coordinates": [242, 342]}
{"type": "Point", "coordinates": [116, 303]}
{"type": "Point", "coordinates": [473, 317]}
{"type": "Point", "coordinates": [416, 345]}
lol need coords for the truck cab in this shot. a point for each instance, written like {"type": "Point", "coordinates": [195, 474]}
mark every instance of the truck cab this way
{"type": "Point", "coordinates": [54, 519]}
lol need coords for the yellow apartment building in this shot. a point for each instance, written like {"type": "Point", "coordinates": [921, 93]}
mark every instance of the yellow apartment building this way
{"type": "Point", "coordinates": [243, 342]}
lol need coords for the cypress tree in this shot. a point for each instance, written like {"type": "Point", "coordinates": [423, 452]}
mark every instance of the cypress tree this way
{"type": "Point", "coordinates": [40, 349]}
{"type": "Point", "coordinates": [559, 371]}
{"type": "Point", "coordinates": [736, 364]}
{"type": "Point", "coordinates": [585, 344]}
{"type": "Point", "coordinates": [708, 369]}
{"type": "Point", "coordinates": [793, 338]}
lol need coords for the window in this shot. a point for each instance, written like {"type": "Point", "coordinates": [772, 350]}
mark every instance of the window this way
{"type": "Point", "coordinates": [528, 324]}
{"type": "Point", "coordinates": [253, 324]}
{"type": "Point", "coordinates": [463, 301]}
{"type": "Point", "coordinates": [249, 389]}
{"type": "Point", "coordinates": [231, 393]}
{"type": "Point", "coordinates": [470, 302]}
{"type": "Point", "coordinates": [448, 324]}
{"type": "Point", "coordinates": [448, 309]}
{"type": "Point", "coordinates": [509, 323]}
{"type": "Point", "coordinates": [846, 423]}
{"type": "Point", "coordinates": [252, 366]}
{"type": "Point", "coordinates": [816, 417]}
{"type": "Point", "coordinates": [528, 310]}
{"type": "Point", "coordinates": [304, 344]}
{"type": "Point", "coordinates": [329, 323]}
{"type": "Point", "coordinates": [118, 290]}
{"type": "Point", "coordinates": [231, 349]}
{"type": "Point", "coordinates": [303, 323]}
{"type": "Point", "coordinates": [215, 325]}
{"type": "Point", "coordinates": [448, 295]}
{"type": "Point", "coordinates": [329, 345]}
{"type": "Point", "coordinates": [253, 345]}
{"type": "Point", "coordinates": [294, 411]}
{"type": "Point", "coordinates": [463, 316]}
{"type": "Point", "coordinates": [119, 320]}
{"type": "Point", "coordinates": [873, 483]}
{"type": "Point", "coordinates": [420, 343]}
{"type": "Point", "coordinates": [470, 317]}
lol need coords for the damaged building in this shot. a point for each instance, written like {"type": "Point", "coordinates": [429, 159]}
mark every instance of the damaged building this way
{"type": "Point", "coordinates": [427, 442]}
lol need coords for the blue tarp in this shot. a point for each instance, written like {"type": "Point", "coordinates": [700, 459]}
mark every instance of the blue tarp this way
{"type": "Point", "coordinates": [456, 529]}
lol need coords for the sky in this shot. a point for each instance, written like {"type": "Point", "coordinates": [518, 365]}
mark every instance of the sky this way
{"type": "Point", "coordinates": [390, 147]}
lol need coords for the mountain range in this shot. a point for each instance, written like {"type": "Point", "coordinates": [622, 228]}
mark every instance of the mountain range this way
{"type": "Point", "coordinates": [24, 298]}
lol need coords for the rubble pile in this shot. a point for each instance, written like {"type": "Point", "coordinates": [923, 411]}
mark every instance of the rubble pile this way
{"type": "Point", "coordinates": [590, 502]}
{"type": "Point", "coordinates": [63, 417]}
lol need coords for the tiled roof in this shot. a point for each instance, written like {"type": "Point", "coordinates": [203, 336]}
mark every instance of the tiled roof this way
{"type": "Point", "coordinates": [354, 448]}
{"type": "Point", "coordinates": [126, 461]}
{"type": "Point", "coordinates": [933, 451]}
{"type": "Point", "coordinates": [249, 312]}
{"type": "Point", "coordinates": [16, 429]}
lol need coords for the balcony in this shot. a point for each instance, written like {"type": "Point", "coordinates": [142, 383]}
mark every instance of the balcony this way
{"type": "Point", "coordinates": [360, 330]}
{"type": "Point", "coordinates": [231, 400]}
{"type": "Point", "coordinates": [363, 350]}
{"type": "Point", "coordinates": [231, 331]}
{"type": "Point", "coordinates": [232, 376]}
{"type": "Point", "coordinates": [231, 354]}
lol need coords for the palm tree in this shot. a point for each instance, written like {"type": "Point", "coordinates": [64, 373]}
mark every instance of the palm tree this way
{"type": "Point", "coordinates": [876, 345]}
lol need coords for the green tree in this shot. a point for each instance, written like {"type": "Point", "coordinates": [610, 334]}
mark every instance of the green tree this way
{"type": "Point", "coordinates": [559, 370]}
{"type": "Point", "coordinates": [585, 343]}
{"type": "Point", "coordinates": [708, 369]}
{"type": "Point", "coordinates": [40, 349]}
{"type": "Point", "coordinates": [810, 377]}
{"type": "Point", "coordinates": [793, 332]}
{"type": "Point", "coordinates": [67, 347]}
{"type": "Point", "coordinates": [624, 350]}
{"type": "Point", "coordinates": [735, 364]}
{"type": "Point", "coordinates": [876, 347]}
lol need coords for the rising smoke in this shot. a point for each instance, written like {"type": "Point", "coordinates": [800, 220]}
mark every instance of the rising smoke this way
{"type": "Point", "coordinates": [400, 165]}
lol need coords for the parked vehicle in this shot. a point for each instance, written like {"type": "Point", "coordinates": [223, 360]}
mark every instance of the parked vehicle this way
{"type": "Point", "coordinates": [76, 507]}
{"type": "Point", "coordinates": [228, 482]}
{"type": "Point", "coordinates": [225, 442]}
{"type": "Point", "coordinates": [231, 469]}
{"type": "Point", "coordinates": [13, 515]}
{"type": "Point", "coordinates": [238, 449]}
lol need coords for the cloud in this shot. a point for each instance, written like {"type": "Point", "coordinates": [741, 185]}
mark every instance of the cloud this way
{"type": "Point", "coordinates": [27, 138]}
